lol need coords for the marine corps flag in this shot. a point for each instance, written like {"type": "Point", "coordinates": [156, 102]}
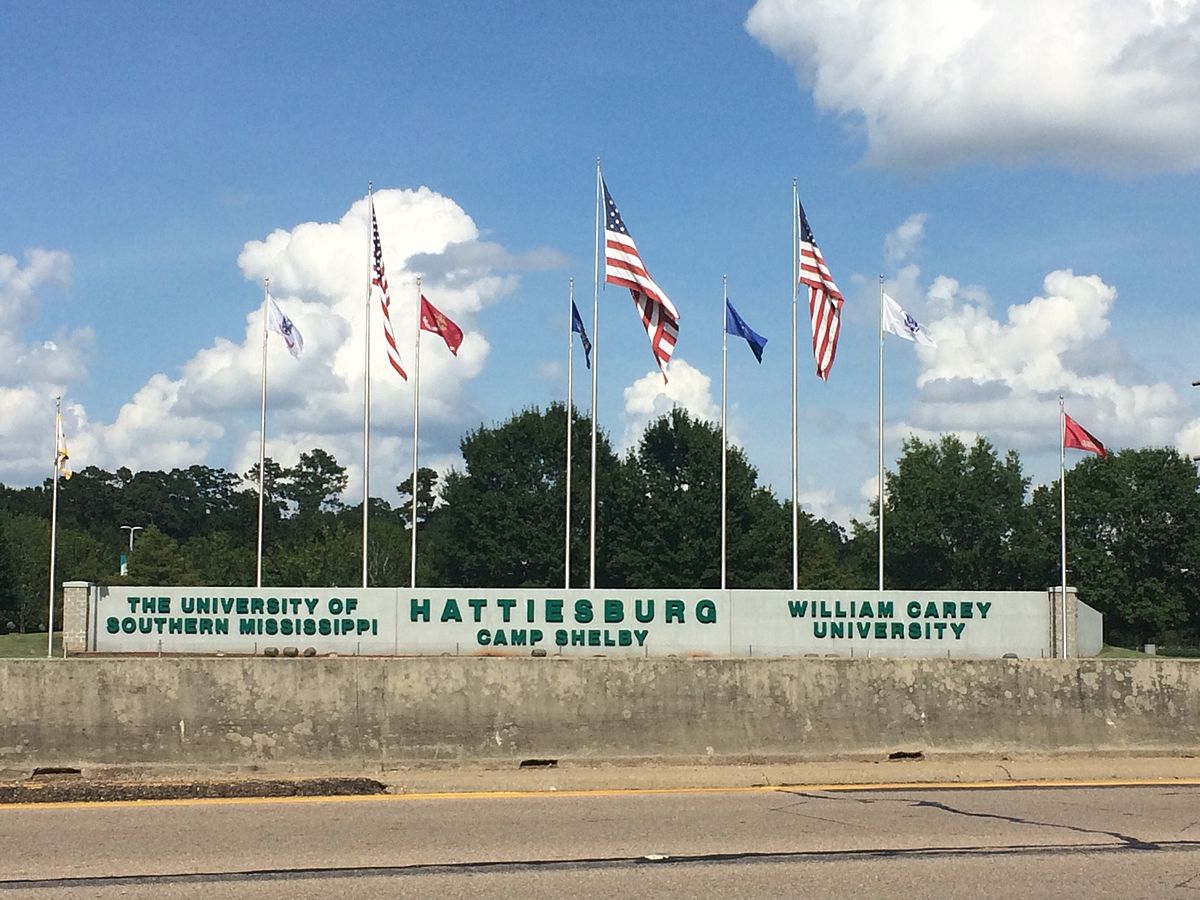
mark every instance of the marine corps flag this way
{"type": "Point", "coordinates": [1077, 437]}
{"type": "Point", "coordinates": [433, 319]}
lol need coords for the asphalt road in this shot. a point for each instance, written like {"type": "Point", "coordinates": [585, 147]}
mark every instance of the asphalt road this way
{"type": "Point", "coordinates": [1126, 842]}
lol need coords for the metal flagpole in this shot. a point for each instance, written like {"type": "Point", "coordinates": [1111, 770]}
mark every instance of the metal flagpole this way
{"type": "Point", "coordinates": [595, 370]}
{"type": "Point", "coordinates": [367, 389]}
{"type": "Point", "coordinates": [570, 416]}
{"type": "Point", "coordinates": [1062, 521]}
{"type": "Point", "coordinates": [416, 431]}
{"type": "Point", "coordinates": [795, 478]}
{"type": "Point", "coordinates": [54, 518]}
{"type": "Point", "coordinates": [724, 474]}
{"type": "Point", "coordinates": [262, 434]}
{"type": "Point", "coordinates": [881, 472]}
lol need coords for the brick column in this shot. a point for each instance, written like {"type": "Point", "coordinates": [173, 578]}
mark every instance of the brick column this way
{"type": "Point", "coordinates": [76, 596]}
{"type": "Point", "coordinates": [1057, 625]}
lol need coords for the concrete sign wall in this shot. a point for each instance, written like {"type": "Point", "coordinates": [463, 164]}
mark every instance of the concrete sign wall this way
{"type": "Point", "coordinates": [641, 623]}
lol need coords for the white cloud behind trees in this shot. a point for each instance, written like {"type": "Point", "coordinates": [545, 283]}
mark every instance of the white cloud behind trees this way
{"type": "Point", "coordinates": [1000, 374]}
{"type": "Point", "coordinates": [207, 412]}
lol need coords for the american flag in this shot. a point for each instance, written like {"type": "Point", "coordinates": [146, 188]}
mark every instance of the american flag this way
{"type": "Point", "coordinates": [623, 265]}
{"type": "Point", "coordinates": [824, 299]}
{"type": "Point", "coordinates": [379, 279]}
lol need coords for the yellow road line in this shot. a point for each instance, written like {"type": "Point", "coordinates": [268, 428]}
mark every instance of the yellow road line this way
{"type": "Point", "coordinates": [618, 792]}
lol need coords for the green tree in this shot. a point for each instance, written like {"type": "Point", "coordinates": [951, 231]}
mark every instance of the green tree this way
{"type": "Point", "coordinates": [219, 558]}
{"type": "Point", "coordinates": [1133, 542]}
{"type": "Point", "coordinates": [10, 596]}
{"type": "Point", "coordinates": [952, 519]}
{"type": "Point", "coordinates": [157, 560]}
{"type": "Point", "coordinates": [426, 496]}
{"type": "Point", "coordinates": [502, 518]}
{"type": "Point", "coordinates": [315, 484]}
{"type": "Point", "coordinates": [669, 518]}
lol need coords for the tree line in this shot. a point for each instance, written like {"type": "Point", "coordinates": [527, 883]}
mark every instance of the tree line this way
{"type": "Point", "coordinates": [957, 517]}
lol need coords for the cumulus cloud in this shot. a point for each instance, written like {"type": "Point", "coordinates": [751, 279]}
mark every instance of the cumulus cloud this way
{"type": "Point", "coordinates": [36, 369]}
{"type": "Point", "coordinates": [1000, 375]}
{"type": "Point", "coordinates": [1086, 83]}
{"type": "Point", "coordinates": [648, 398]}
{"type": "Point", "coordinates": [901, 243]}
{"type": "Point", "coordinates": [207, 413]}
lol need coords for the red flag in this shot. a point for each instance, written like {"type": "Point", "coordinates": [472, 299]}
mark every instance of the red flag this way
{"type": "Point", "coordinates": [433, 319]}
{"type": "Point", "coordinates": [1077, 437]}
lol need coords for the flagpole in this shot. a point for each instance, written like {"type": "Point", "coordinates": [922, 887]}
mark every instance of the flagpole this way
{"type": "Point", "coordinates": [367, 392]}
{"type": "Point", "coordinates": [595, 370]}
{"type": "Point", "coordinates": [262, 433]}
{"type": "Point", "coordinates": [795, 477]}
{"type": "Point", "coordinates": [1062, 521]}
{"type": "Point", "coordinates": [54, 518]}
{"type": "Point", "coordinates": [724, 473]}
{"type": "Point", "coordinates": [416, 432]}
{"type": "Point", "coordinates": [881, 472]}
{"type": "Point", "coordinates": [570, 416]}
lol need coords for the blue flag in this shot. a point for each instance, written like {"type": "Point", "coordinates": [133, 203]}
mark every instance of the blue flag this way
{"type": "Point", "coordinates": [577, 327]}
{"type": "Point", "coordinates": [736, 325]}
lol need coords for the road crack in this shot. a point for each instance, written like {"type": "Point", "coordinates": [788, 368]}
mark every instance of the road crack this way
{"type": "Point", "coordinates": [1133, 843]}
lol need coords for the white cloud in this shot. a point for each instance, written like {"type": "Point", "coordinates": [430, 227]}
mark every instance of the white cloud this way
{"type": "Point", "coordinates": [35, 371]}
{"type": "Point", "coordinates": [1001, 376]}
{"type": "Point", "coordinates": [1086, 83]}
{"type": "Point", "coordinates": [902, 243]}
{"type": "Point", "coordinates": [648, 398]}
{"type": "Point", "coordinates": [318, 273]}
{"type": "Point", "coordinates": [823, 503]}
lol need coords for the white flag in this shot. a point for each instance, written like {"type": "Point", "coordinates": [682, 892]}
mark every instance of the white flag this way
{"type": "Point", "coordinates": [901, 324]}
{"type": "Point", "coordinates": [60, 451]}
{"type": "Point", "coordinates": [286, 329]}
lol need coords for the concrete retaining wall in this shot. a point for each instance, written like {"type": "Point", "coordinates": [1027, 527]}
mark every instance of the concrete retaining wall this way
{"type": "Point", "coordinates": [362, 714]}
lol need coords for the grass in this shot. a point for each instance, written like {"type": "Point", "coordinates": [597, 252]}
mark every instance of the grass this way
{"type": "Point", "coordinates": [19, 646]}
{"type": "Point", "coordinates": [1111, 652]}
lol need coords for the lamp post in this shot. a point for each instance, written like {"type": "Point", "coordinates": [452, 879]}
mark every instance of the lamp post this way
{"type": "Point", "coordinates": [131, 529]}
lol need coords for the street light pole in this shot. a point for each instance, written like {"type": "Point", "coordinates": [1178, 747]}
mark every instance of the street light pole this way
{"type": "Point", "coordinates": [131, 529]}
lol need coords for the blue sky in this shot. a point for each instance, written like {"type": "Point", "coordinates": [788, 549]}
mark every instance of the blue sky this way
{"type": "Point", "coordinates": [156, 164]}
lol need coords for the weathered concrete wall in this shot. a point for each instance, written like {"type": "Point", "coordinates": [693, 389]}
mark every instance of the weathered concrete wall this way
{"type": "Point", "coordinates": [361, 714]}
